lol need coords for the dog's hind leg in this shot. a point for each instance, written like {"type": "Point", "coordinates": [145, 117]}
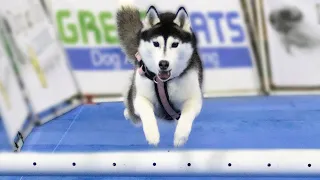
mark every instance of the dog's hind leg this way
{"type": "Point", "coordinates": [135, 119]}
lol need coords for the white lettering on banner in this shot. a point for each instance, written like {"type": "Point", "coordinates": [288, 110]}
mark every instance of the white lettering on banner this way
{"type": "Point", "coordinates": [107, 59]}
{"type": "Point", "coordinates": [211, 58]}
{"type": "Point", "coordinates": [113, 59]}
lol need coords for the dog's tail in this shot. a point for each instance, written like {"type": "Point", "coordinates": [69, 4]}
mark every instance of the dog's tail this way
{"type": "Point", "coordinates": [129, 24]}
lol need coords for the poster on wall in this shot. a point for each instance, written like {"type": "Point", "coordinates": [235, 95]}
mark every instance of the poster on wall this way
{"type": "Point", "coordinates": [13, 107]}
{"type": "Point", "coordinates": [40, 59]}
{"type": "Point", "coordinates": [293, 31]}
{"type": "Point", "coordinates": [88, 31]}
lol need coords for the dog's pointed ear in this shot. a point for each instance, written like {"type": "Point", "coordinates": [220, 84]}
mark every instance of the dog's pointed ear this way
{"type": "Point", "coordinates": [152, 18]}
{"type": "Point", "coordinates": [182, 19]}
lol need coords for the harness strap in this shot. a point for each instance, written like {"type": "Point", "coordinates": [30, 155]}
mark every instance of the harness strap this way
{"type": "Point", "coordinates": [164, 99]}
{"type": "Point", "coordinates": [160, 88]}
{"type": "Point", "coordinates": [143, 70]}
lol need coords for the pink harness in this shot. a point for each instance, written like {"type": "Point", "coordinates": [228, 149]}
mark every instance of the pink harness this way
{"type": "Point", "coordinates": [160, 88]}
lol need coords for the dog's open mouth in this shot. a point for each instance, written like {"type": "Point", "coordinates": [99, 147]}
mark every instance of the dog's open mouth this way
{"type": "Point", "coordinates": [164, 75]}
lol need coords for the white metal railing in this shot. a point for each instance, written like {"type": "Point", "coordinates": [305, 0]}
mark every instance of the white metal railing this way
{"type": "Point", "coordinates": [284, 162]}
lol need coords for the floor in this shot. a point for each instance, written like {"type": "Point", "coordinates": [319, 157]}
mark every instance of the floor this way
{"type": "Point", "coordinates": [236, 122]}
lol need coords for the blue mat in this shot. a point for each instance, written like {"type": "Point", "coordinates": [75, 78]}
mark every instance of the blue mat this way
{"type": "Point", "coordinates": [238, 122]}
{"type": "Point", "coordinates": [4, 144]}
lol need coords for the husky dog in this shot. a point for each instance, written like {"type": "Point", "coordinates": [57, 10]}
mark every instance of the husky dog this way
{"type": "Point", "coordinates": [293, 29]}
{"type": "Point", "coordinates": [168, 70]}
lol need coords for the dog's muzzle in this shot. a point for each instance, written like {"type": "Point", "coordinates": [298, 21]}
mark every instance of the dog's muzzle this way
{"type": "Point", "coordinates": [164, 74]}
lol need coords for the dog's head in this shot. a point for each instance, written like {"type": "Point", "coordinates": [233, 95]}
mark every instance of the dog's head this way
{"type": "Point", "coordinates": [166, 42]}
{"type": "Point", "coordinates": [285, 19]}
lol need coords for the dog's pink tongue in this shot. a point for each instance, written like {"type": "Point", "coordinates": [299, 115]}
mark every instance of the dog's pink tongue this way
{"type": "Point", "coordinates": [164, 75]}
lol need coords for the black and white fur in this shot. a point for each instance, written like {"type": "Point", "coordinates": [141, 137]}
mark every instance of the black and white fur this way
{"type": "Point", "coordinates": [293, 29]}
{"type": "Point", "coordinates": [161, 36]}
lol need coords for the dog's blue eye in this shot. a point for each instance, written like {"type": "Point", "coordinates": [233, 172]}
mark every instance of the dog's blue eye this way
{"type": "Point", "coordinates": [156, 44]}
{"type": "Point", "coordinates": [174, 45]}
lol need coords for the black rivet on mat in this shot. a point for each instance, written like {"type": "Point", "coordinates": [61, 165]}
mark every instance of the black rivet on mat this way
{"type": "Point", "coordinates": [154, 164]}
{"type": "Point", "coordinates": [189, 164]}
{"type": "Point", "coordinates": [229, 164]}
{"type": "Point", "coordinates": [269, 165]}
{"type": "Point", "coordinates": [114, 164]}
{"type": "Point", "coordinates": [34, 163]}
{"type": "Point", "coordinates": [73, 164]}
{"type": "Point", "coordinates": [309, 165]}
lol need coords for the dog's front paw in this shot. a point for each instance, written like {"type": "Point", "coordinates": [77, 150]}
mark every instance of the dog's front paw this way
{"type": "Point", "coordinates": [152, 134]}
{"type": "Point", "coordinates": [181, 135]}
{"type": "Point", "coordinates": [180, 141]}
{"type": "Point", "coordinates": [153, 138]}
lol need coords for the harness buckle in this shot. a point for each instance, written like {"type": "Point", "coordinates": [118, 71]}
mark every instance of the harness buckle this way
{"type": "Point", "coordinates": [155, 79]}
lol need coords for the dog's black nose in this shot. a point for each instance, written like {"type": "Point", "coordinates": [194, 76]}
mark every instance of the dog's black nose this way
{"type": "Point", "coordinates": [163, 64]}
